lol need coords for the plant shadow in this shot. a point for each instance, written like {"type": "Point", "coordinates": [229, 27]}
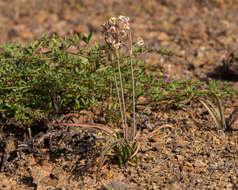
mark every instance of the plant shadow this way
{"type": "Point", "coordinates": [223, 73]}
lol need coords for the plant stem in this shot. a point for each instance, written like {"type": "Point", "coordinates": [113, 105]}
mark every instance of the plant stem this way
{"type": "Point", "coordinates": [133, 86]}
{"type": "Point", "coordinates": [122, 94]}
{"type": "Point", "coordinates": [119, 98]}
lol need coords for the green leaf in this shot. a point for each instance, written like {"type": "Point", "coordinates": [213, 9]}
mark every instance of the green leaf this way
{"type": "Point", "coordinates": [83, 60]}
{"type": "Point", "coordinates": [86, 38]}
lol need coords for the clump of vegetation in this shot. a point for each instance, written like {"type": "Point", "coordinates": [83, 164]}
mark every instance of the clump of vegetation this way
{"type": "Point", "coordinates": [57, 74]}
{"type": "Point", "coordinates": [216, 113]}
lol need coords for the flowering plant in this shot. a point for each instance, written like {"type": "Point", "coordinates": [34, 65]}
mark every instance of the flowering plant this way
{"type": "Point", "coordinates": [116, 31]}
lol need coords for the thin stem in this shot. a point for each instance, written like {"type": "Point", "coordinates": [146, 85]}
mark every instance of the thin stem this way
{"type": "Point", "coordinates": [122, 93]}
{"type": "Point", "coordinates": [118, 95]}
{"type": "Point", "coordinates": [133, 85]}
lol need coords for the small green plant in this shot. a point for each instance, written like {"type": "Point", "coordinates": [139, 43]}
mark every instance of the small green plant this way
{"type": "Point", "coordinates": [117, 34]}
{"type": "Point", "coordinates": [216, 111]}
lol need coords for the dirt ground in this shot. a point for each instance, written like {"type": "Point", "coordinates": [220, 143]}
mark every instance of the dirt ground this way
{"type": "Point", "coordinates": [181, 149]}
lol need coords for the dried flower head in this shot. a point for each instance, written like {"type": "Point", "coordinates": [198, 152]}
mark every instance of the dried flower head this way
{"type": "Point", "coordinates": [116, 31]}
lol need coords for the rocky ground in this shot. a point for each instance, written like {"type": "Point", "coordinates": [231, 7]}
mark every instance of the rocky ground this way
{"type": "Point", "coordinates": [183, 149]}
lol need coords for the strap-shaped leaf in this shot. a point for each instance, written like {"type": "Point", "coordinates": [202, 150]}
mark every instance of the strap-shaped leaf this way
{"type": "Point", "coordinates": [221, 112]}
{"type": "Point", "coordinates": [211, 112]}
{"type": "Point", "coordinates": [104, 152]}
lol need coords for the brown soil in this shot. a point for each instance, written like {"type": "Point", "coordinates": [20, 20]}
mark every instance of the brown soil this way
{"type": "Point", "coordinates": [180, 149]}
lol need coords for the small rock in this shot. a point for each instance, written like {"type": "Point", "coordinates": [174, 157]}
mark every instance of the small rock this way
{"type": "Point", "coordinates": [38, 174]}
{"type": "Point", "coordinates": [150, 126]}
{"type": "Point", "coordinates": [81, 29]}
{"type": "Point", "coordinates": [180, 157]}
{"type": "Point", "coordinates": [176, 186]}
{"type": "Point", "coordinates": [142, 99]}
{"type": "Point", "coordinates": [41, 16]}
{"type": "Point", "coordinates": [199, 163]}
{"type": "Point", "coordinates": [147, 111]}
{"type": "Point", "coordinates": [26, 34]}
{"type": "Point", "coordinates": [198, 62]}
{"type": "Point", "coordinates": [118, 185]}
{"type": "Point", "coordinates": [162, 36]}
